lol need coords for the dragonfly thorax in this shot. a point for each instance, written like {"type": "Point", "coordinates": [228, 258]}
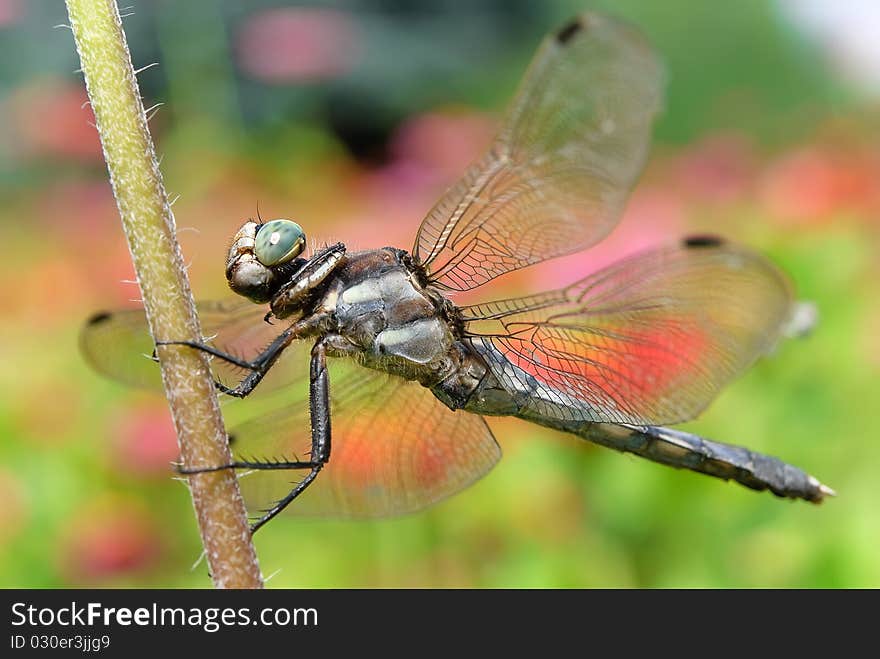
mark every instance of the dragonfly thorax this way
{"type": "Point", "coordinates": [372, 305]}
{"type": "Point", "coordinates": [382, 311]}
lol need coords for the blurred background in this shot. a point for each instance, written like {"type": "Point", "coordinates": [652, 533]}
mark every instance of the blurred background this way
{"type": "Point", "coordinates": [352, 117]}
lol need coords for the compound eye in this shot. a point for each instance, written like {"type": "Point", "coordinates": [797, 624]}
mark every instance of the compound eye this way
{"type": "Point", "coordinates": [279, 241]}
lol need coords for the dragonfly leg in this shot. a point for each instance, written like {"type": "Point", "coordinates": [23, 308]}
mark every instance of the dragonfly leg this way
{"type": "Point", "coordinates": [258, 367]}
{"type": "Point", "coordinates": [319, 410]}
{"type": "Point", "coordinates": [252, 464]}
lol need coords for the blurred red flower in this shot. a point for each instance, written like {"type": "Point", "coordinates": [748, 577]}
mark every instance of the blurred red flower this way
{"type": "Point", "coordinates": [718, 169]}
{"type": "Point", "coordinates": [810, 184]}
{"type": "Point", "coordinates": [144, 439]}
{"type": "Point", "coordinates": [109, 537]}
{"type": "Point", "coordinates": [51, 118]}
{"type": "Point", "coordinates": [11, 12]}
{"type": "Point", "coordinates": [443, 143]}
{"type": "Point", "coordinates": [293, 45]}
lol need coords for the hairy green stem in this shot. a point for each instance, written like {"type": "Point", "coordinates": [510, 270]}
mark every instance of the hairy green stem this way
{"type": "Point", "coordinates": [149, 228]}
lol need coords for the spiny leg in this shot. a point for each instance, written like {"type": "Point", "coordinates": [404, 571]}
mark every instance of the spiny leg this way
{"type": "Point", "coordinates": [314, 466]}
{"type": "Point", "coordinates": [319, 412]}
{"type": "Point", "coordinates": [250, 464]}
{"type": "Point", "coordinates": [258, 367]}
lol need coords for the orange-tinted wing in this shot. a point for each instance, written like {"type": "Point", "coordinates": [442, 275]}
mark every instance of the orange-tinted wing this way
{"type": "Point", "coordinates": [395, 448]}
{"type": "Point", "coordinates": [649, 340]}
{"type": "Point", "coordinates": [569, 151]}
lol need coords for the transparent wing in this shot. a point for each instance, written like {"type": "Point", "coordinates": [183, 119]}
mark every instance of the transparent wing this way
{"type": "Point", "coordinates": [570, 149]}
{"type": "Point", "coordinates": [395, 448]}
{"type": "Point", "coordinates": [648, 340]}
{"type": "Point", "coordinates": [118, 344]}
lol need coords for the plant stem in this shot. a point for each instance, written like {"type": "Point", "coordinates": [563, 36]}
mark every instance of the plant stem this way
{"type": "Point", "coordinates": [150, 230]}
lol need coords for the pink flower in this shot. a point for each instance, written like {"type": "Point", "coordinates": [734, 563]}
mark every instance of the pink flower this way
{"type": "Point", "coordinates": [52, 119]}
{"type": "Point", "coordinates": [719, 168]}
{"type": "Point", "coordinates": [109, 537]}
{"type": "Point", "coordinates": [292, 45]}
{"type": "Point", "coordinates": [11, 12]}
{"type": "Point", "coordinates": [444, 143]}
{"type": "Point", "coordinates": [144, 439]}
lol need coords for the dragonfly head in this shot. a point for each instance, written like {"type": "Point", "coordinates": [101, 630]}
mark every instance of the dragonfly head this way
{"type": "Point", "coordinates": [261, 257]}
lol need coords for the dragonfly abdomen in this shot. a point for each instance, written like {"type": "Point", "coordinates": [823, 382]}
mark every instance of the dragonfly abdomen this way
{"type": "Point", "coordinates": [685, 450]}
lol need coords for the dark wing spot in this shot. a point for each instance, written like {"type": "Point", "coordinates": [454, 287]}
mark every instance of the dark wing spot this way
{"type": "Point", "coordinates": [565, 33]}
{"type": "Point", "coordinates": [100, 317]}
{"type": "Point", "coordinates": [702, 241]}
{"type": "Point", "coordinates": [230, 439]}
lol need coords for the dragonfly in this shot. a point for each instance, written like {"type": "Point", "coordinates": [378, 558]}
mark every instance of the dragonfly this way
{"type": "Point", "coordinates": [372, 340]}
